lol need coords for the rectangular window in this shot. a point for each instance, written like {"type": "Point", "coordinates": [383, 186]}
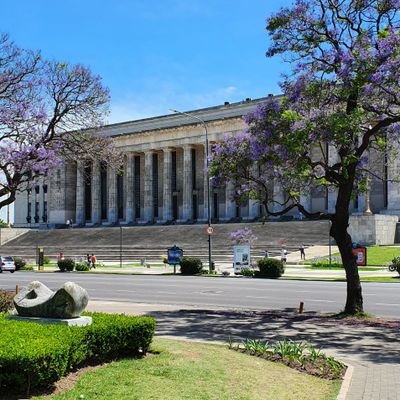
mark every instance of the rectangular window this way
{"type": "Point", "coordinates": [173, 171]}
{"type": "Point", "coordinates": [120, 196]}
{"type": "Point", "coordinates": [103, 190]}
{"type": "Point", "coordinates": [88, 191]}
{"type": "Point", "coordinates": [155, 185]}
{"type": "Point", "coordinates": [44, 216]}
{"type": "Point", "coordinates": [193, 161]}
{"type": "Point", "coordinates": [137, 186]}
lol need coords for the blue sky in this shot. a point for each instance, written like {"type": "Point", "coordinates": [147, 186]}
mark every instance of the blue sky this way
{"type": "Point", "coordinates": [156, 54]}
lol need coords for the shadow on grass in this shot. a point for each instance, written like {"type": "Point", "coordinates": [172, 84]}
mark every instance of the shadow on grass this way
{"type": "Point", "coordinates": [370, 340]}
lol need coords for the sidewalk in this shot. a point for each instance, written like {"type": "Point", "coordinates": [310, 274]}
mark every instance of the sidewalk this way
{"type": "Point", "coordinates": [371, 348]}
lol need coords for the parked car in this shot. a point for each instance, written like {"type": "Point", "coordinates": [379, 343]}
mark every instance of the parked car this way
{"type": "Point", "coordinates": [7, 263]}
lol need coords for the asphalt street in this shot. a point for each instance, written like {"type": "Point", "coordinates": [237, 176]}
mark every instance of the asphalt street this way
{"type": "Point", "coordinates": [381, 299]}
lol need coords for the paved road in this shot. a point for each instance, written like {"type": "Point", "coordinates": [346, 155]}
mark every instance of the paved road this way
{"type": "Point", "coordinates": [379, 298]}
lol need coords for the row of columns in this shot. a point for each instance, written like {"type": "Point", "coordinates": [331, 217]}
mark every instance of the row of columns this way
{"type": "Point", "coordinates": [226, 211]}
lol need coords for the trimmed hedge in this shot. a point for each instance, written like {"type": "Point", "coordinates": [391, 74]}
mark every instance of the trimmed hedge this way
{"type": "Point", "coordinates": [269, 268]}
{"type": "Point", "coordinates": [68, 264]}
{"type": "Point", "coordinates": [82, 266]}
{"type": "Point", "coordinates": [34, 355]}
{"type": "Point", "coordinates": [191, 265]}
{"type": "Point", "coordinates": [6, 301]}
{"type": "Point", "coordinates": [20, 263]}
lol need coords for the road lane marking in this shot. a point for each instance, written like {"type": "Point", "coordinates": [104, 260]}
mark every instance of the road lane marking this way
{"type": "Point", "coordinates": [387, 304]}
{"type": "Point", "coordinates": [320, 301]}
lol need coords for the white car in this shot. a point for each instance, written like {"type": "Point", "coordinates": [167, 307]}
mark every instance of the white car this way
{"type": "Point", "coordinates": [7, 264]}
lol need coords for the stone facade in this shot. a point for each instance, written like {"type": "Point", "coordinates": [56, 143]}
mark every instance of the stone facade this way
{"type": "Point", "coordinates": [164, 178]}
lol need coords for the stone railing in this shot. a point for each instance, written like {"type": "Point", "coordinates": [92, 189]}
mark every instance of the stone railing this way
{"type": "Point", "coordinates": [7, 234]}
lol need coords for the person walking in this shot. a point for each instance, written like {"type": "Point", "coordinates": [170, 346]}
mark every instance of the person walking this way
{"type": "Point", "coordinates": [88, 260]}
{"type": "Point", "coordinates": [266, 254]}
{"type": "Point", "coordinates": [302, 252]}
{"type": "Point", "coordinates": [284, 256]}
{"type": "Point", "coordinates": [93, 259]}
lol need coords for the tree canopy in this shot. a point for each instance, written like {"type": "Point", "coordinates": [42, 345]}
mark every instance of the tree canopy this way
{"type": "Point", "coordinates": [340, 102]}
{"type": "Point", "coordinates": [46, 109]}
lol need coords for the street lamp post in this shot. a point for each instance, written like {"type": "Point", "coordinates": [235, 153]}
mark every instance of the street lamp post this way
{"type": "Point", "coordinates": [210, 263]}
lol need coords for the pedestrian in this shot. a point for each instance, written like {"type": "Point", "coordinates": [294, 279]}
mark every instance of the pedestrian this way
{"type": "Point", "coordinates": [284, 256]}
{"type": "Point", "coordinates": [68, 223]}
{"type": "Point", "coordinates": [266, 254]}
{"type": "Point", "coordinates": [302, 252]}
{"type": "Point", "coordinates": [88, 260]}
{"type": "Point", "coordinates": [93, 259]}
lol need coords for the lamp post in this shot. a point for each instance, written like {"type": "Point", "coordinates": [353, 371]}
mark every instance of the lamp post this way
{"type": "Point", "coordinates": [120, 246]}
{"type": "Point", "coordinates": [210, 263]}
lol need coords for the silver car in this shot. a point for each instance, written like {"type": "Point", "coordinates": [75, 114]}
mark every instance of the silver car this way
{"type": "Point", "coordinates": [7, 264]}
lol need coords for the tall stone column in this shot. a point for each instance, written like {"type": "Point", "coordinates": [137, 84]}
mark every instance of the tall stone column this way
{"type": "Point", "coordinates": [393, 186]}
{"type": "Point", "coordinates": [333, 157]}
{"type": "Point", "coordinates": [96, 210]}
{"type": "Point", "coordinates": [167, 188]}
{"type": "Point", "coordinates": [254, 205]}
{"type": "Point", "coordinates": [206, 205]}
{"type": "Point", "coordinates": [148, 187]}
{"type": "Point", "coordinates": [187, 213]}
{"type": "Point", "coordinates": [278, 196]}
{"type": "Point", "coordinates": [306, 202]}
{"type": "Point", "coordinates": [230, 204]}
{"type": "Point", "coordinates": [112, 216]}
{"type": "Point", "coordinates": [80, 194]}
{"type": "Point", "coordinates": [129, 177]}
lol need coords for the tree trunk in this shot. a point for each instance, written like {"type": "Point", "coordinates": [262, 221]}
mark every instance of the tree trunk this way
{"type": "Point", "coordinates": [340, 221]}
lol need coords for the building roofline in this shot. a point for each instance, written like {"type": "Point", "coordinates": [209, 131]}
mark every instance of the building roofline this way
{"type": "Point", "coordinates": [208, 114]}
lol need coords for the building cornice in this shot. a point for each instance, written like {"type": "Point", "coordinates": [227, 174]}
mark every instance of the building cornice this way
{"type": "Point", "coordinates": [215, 113]}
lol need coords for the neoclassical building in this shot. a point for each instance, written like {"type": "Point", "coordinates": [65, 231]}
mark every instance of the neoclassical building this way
{"type": "Point", "coordinates": [164, 178]}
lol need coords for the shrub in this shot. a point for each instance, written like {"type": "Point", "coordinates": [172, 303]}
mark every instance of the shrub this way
{"type": "Point", "coordinates": [325, 264]}
{"type": "Point", "coordinates": [299, 355]}
{"type": "Point", "coordinates": [269, 268]}
{"type": "Point", "coordinates": [67, 264]}
{"type": "Point", "coordinates": [27, 268]}
{"type": "Point", "coordinates": [19, 263]}
{"type": "Point", "coordinates": [191, 265]}
{"type": "Point", "coordinates": [46, 260]}
{"type": "Point", "coordinates": [33, 355]}
{"type": "Point", "coordinates": [82, 266]}
{"type": "Point", "coordinates": [396, 263]}
{"type": "Point", "coordinates": [6, 301]}
{"type": "Point", "coordinates": [247, 272]}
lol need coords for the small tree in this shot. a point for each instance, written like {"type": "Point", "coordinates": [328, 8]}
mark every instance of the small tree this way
{"type": "Point", "coordinates": [242, 236]}
{"type": "Point", "coordinates": [46, 108]}
{"type": "Point", "coordinates": [341, 102]}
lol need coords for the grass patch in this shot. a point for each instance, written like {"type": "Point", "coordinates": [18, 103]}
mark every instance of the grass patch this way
{"type": "Point", "coordinates": [359, 315]}
{"type": "Point", "coordinates": [336, 267]}
{"type": "Point", "coordinates": [187, 370]}
{"type": "Point", "coordinates": [386, 279]}
{"type": "Point", "coordinates": [379, 255]}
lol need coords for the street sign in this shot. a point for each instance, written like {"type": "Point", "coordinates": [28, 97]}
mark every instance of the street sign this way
{"type": "Point", "coordinates": [210, 230]}
{"type": "Point", "coordinates": [174, 255]}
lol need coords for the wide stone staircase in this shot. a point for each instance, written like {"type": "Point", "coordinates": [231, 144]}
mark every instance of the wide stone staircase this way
{"type": "Point", "coordinates": [150, 243]}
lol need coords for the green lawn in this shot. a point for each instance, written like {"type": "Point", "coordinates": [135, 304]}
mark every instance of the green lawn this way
{"type": "Point", "coordinates": [382, 255]}
{"type": "Point", "coordinates": [378, 255]}
{"type": "Point", "coordinates": [187, 370]}
{"type": "Point", "coordinates": [339, 268]}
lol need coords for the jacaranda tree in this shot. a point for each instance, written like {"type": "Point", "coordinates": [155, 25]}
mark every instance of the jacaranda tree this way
{"type": "Point", "coordinates": [45, 110]}
{"type": "Point", "coordinates": [340, 103]}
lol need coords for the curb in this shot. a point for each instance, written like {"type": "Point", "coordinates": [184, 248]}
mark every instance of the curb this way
{"type": "Point", "coordinates": [346, 383]}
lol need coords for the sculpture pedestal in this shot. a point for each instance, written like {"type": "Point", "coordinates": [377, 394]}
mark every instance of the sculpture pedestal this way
{"type": "Point", "coordinates": [79, 321]}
